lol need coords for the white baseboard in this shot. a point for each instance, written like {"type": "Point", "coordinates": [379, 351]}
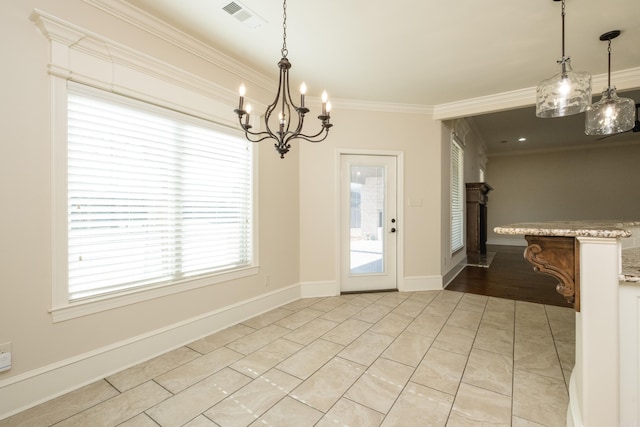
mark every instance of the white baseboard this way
{"type": "Point", "coordinates": [508, 241]}
{"type": "Point", "coordinates": [421, 283]}
{"type": "Point", "coordinates": [40, 385]}
{"type": "Point", "coordinates": [574, 417]}
{"type": "Point", "coordinates": [451, 274]}
{"type": "Point", "coordinates": [319, 289]}
{"type": "Point", "coordinates": [408, 284]}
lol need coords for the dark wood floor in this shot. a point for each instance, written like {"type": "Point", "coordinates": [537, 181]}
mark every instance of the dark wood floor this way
{"type": "Point", "coordinates": [509, 276]}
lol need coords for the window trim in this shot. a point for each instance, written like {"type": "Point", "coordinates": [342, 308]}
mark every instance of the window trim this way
{"type": "Point", "coordinates": [64, 309]}
{"type": "Point", "coordinates": [78, 55]}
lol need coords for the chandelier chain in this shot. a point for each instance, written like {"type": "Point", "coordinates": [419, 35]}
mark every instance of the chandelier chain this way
{"type": "Point", "coordinates": [284, 51]}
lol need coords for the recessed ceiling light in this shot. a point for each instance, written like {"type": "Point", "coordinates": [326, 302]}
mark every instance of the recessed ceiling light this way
{"type": "Point", "coordinates": [523, 139]}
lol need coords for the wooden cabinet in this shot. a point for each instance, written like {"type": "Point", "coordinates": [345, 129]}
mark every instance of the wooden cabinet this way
{"type": "Point", "coordinates": [477, 198]}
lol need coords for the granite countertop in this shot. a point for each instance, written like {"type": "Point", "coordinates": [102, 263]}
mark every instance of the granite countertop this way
{"type": "Point", "coordinates": [611, 229]}
{"type": "Point", "coordinates": [605, 229]}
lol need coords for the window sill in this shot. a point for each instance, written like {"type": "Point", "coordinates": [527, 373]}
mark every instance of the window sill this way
{"type": "Point", "coordinates": [103, 303]}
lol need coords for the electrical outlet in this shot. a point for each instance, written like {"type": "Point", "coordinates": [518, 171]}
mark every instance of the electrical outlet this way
{"type": "Point", "coordinates": [5, 356]}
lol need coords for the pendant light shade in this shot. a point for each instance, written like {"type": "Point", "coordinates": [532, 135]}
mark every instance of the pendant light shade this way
{"type": "Point", "coordinates": [567, 92]}
{"type": "Point", "coordinates": [611, 114]}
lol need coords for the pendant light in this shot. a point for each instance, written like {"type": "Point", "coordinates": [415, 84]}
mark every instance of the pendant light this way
{"type": "Point", "coordinates": [566, 93]}
{"type": "Point", "coordinates": [281, 130]}
{"type": "Point", "coordinates": [611, 114]}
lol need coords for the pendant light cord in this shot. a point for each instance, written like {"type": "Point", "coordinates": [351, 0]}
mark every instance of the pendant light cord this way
{"type": "Point", "coordinates": [284, 51]}
{"type": "Point", "coordinates": [609, 72]}
{"type": "Point", "coordinates": [563, 13]}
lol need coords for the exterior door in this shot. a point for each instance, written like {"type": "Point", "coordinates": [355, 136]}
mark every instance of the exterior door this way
{"type": "Point", "coordinates": [368, 222]}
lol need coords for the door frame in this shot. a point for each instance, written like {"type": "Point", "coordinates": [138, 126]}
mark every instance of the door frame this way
{"type": "Point", "coordinates": [399, 155]}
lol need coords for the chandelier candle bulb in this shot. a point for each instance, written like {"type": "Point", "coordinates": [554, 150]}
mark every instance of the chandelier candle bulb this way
{"type": "Point", "coordinates": [325, 97]}
{"type": "Point", "coordinates": [303, 91]}
{"type": "Point", "coordinates": [246, 120]}
{"type": "Point", "coordinates": [242, 91]}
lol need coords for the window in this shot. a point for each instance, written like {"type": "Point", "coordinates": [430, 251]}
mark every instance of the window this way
{"type": "Point", "coordinates": [457, 195]}
{"type": "Point", "coordinates": [154, 197]}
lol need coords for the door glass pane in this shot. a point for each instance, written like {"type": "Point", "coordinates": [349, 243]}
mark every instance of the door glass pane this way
{"type": "Point", "coordinates": [367, 219]}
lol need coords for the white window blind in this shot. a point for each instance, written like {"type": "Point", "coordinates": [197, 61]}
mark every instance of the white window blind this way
{"type": "Point", "coordinates": [457, 196]}
{"type": "Point", "coordinates": [154, 197]}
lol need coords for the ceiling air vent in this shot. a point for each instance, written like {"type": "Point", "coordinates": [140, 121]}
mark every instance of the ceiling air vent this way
{"type": "Point", "coordinates": [243, 14]}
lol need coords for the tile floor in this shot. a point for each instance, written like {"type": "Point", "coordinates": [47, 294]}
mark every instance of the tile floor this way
{"type": "Point", "coordinates": [438, 358]}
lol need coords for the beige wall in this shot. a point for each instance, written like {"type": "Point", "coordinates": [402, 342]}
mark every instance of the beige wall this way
{"type": "Point", "coordinates": [601, 182]}
{"type": "Point", "coordinates": [25, 217]}
{"type": "Point", "coordinates": [296, 200]}
{"type": "Point", "coordinates": [418, 137]}
{"type": "Point", "coordinates": [474, 159]}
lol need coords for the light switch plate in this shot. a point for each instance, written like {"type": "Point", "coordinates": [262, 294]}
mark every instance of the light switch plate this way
{"type": "Point", "coordinates": [5, 361]}
{"type": "Point", "coordinates": [5, 356]}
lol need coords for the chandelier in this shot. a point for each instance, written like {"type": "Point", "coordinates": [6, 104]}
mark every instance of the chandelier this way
{"type": "Point", "coordinates": [611, 114]}
{"type": "Point", "coordinates": [282, 130]}
{"type": "Point", "coordinates": [566, 93]}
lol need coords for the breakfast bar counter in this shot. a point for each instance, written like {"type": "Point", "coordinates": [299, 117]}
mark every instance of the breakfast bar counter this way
{"type": "Point", "coordinates": [597, 265]}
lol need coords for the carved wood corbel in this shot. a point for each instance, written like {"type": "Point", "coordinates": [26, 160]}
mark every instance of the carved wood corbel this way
{"type": "Point", "coordinates": [557, 257]}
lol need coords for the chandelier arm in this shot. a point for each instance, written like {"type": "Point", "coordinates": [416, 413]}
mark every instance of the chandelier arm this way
{"type": "Point", "coordinates": [271, 108]}
{"type": "Point", "coordinates": [266, 136]}
{"type": "Point", "coordinates": [259, 136]}
{"type": "Point", "coordinates": [309, 138]}
{"type": "Point", "coordinates": [286, 116]}
{"type": "Point", "coordinates": [288, 91]}
{"type": "Point", "coordinates": [298, 129]}
{"type": "Point", "coordinates": [287, 100]}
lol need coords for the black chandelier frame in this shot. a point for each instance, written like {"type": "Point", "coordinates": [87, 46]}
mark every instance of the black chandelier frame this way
{"type": "Point", "coordinates": [284, 105]}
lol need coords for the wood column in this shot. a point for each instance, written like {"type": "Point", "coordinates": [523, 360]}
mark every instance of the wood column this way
{"type": "Point", "coordinates": [477, 198]}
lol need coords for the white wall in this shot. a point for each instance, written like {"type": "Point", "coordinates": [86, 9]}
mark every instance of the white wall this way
{"type": "Point", "coordinates": [599, 182]}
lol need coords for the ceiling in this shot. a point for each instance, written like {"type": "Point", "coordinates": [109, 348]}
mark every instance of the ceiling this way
{"type": "Point", "coordinates": [501, 131]}
{"type": "Point", "coordinates": [426, 53]}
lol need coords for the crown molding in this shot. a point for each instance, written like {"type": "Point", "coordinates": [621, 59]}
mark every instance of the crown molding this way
{"type": "Point", "coordinates": [142, 20]}
{"type": "Point", "coordinates": [120, 9]}
{"type": "Point", "coordinates": [386, 107]}
{"type": "Point", "coordinates": [623, 80]}
{"type": "Point", "coordinates": [76, 38]}
{"type": "Point", "coordinates": [484, 104]}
